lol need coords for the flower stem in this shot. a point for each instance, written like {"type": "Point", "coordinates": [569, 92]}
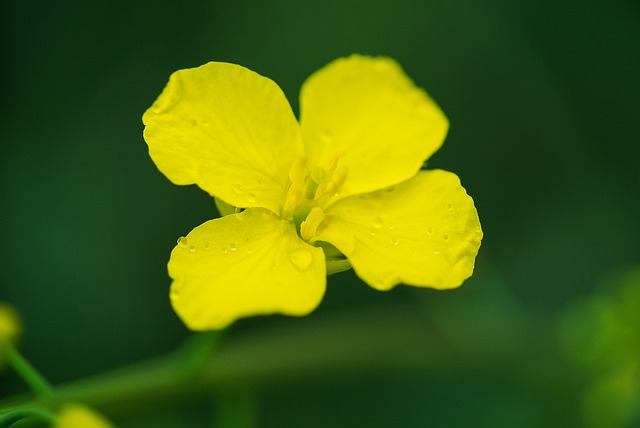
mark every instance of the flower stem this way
{"type": "Point", "coordinates": [34, 380]}
{"type": "Point", "coordinates": [11, 417]}
{"type": "Point", "coordinates": [337, 266]}
{"type": "Point", "coordinates": [236, 408]}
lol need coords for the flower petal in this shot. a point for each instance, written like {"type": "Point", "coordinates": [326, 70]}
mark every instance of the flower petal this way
{"type": "Point", "coordinates": [251, 263]}
{"type": "Point", "coordinates": [226, 129]}
{"type": "Point", "coordinates": [366, 111]}
{"type": "Point", "coordinates": [423, 232]}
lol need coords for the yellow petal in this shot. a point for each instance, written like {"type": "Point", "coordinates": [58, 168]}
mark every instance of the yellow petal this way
{"type": "Point", "coordinates": [369, 114]}
{"type": "Point", "coordinates": [423, 232]}
{"type": "Point", "coordinates": [245, 264]}
{"type": "Point", "coordinates": [79, 416]}
{"type": "Point", "coordinates": [226, 129]}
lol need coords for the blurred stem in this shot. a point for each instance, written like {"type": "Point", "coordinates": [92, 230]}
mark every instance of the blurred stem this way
{"type": "Point", "coordinates": [198, 349]}
{"type": "Point", "coordinates": [9, 418]}
{"type": "Point", "coordinates": [349, 344]}
{"type": "Point", "coordinates": [34, 380]}
{"type": "Point", "coordinates": [274, 354]}
{"type": "Point", "coordinates": [236, 408]}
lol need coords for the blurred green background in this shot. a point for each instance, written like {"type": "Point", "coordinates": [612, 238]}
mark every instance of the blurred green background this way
{"type": "Point", "coordinates": [543, 99]}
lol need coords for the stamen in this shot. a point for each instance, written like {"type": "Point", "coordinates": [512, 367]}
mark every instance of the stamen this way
{"type": "Point", "coordinates": [334, 177]}
{"type": "Point", "coordinates": [295, 193]}
{"type": "Point", "coordinates": [309, 227]}
{"type": "Point", "coordinates": [333, 187]}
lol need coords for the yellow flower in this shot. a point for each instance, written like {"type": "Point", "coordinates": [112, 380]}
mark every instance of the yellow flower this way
{"type": "Point", "coordinates": [346, 176]}
{"type": "Point", "coordinates": [10, 326]}
{"type": "Point", "coordinates": [75, 415]}
{"type": "Point", "coordinates": [10, 330]}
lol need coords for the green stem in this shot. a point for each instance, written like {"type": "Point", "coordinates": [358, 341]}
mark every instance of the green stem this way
{"type": "Point", "coordinates": [236, 408]}
{"type": "Point", "coordinates": [272, 354]}
{"type": "Point", "coordinates": [349, 344]}
{"type": "Point", "coordinates": [337, 266]}
{"type": "Point", "coordinates": [34, 380]}
{"type": "Point", "coordinates": [9, 418]}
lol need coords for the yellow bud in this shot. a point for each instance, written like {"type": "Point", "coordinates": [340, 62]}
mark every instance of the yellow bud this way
{"type": "Point", "coordinates": [10, 326]}
{"type": "Point", "coordinates": [74, 415]}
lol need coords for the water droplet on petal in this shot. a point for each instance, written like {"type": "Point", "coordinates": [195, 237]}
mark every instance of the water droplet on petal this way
{"type": "Point", "coordinates": [232, 246]}
{"type": "Point", "coordinates": [192, 248]}
{"type": "Point", "coordinates": [301, 258]}
{"type": "Point", "coordinates": [225, 249]}
{"type": "Point", "coordinates": [164, 103]}
{"type": "Point", "coordinates": [182, 241]}
{"type": "Point", "coordinates": [206, 244]}
{"type": "Point", "coordinates": [237, 210]}
{"type": "Point", "coordinates": [249, 250]}
{"type": "Point", "coordinates": [429, 230]}
{"type": "Point", "coordinates": [449, 206]}
{"type": "Point", "coordinates": [395, 240]}
{"type": "Point", "coordinates": [377, 222]}
{"type": "Point", "coordinates": [436, 252]}
{"type": "Point", "coordinates": [326, 137]}
{"type": "Point", "coordinates": [445, 237]}
{"type": "Point", "coordinates": [251, 197]}
{"type": "Point", "coordinates": [237, 188]}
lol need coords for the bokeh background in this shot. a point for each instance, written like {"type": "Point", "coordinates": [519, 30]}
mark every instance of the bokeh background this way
{"type": "Point", "coordinates": [544, 103]}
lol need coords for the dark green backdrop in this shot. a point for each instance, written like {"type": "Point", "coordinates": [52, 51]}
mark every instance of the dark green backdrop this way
{"type": "Point", "coordinates": [543, 99]}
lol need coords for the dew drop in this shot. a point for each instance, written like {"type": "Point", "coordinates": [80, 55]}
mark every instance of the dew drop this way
{"type": "Point", "coordinates": [164, 103]}
{"type": "Point", "coordinates": [232, 246]}
{"type": "Point", "coordinates": [445, 237]}
{"type": "Point", "coordinates": [237, 210]}
{"type": "Point", "coordinates": [249, 250]}
{"type": "Point", "coordinates": [192, 248]}
{"type": "Point", "coordinates": [301, 258]}
{"type": "Point", "coordinates": [449, 206]}
{"type": "Point", "coordinates": [436, 252]}
{"type": "Point", "coordinates": [182, 241]}
{"type": "Point", "coordinates": [395, 240]}
{"type": "Point", "coordinates": [377, 222]}
{"type": "Point", "coordinates": [225, 249]}
{"type": "Point", "coordinates": [237, 188]}
{"type": "Point", "coordinates": [251, 197]}
{"type": "Point", "coordinates": [391, 226]}
{"type": "Point", "coordinates": [206, 244]}
{"type": "Point", "coordinates": [326, 137]}
{"type": "Point", "coordinates": [429, 230]}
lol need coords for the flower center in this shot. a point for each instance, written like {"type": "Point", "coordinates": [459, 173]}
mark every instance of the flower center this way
{"type": "Point", "coordinates": [310, 190]}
